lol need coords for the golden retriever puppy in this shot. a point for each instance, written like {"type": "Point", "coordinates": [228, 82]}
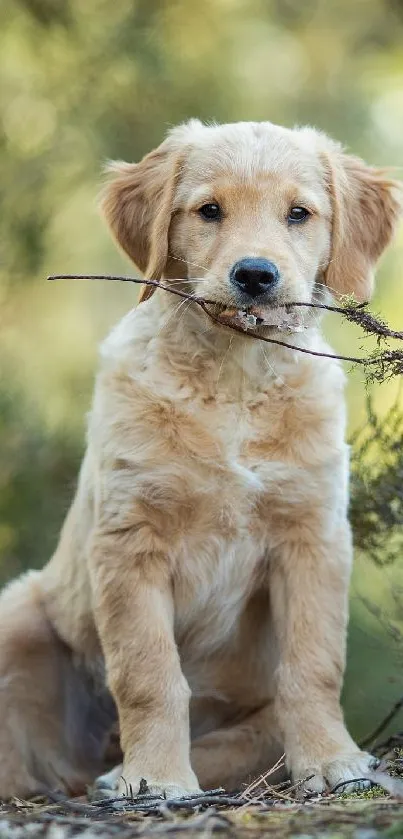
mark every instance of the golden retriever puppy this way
{"type": "Point", "coordinates": [199, 589]}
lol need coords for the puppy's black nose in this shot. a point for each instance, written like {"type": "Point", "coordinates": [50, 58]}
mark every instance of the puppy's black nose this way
{"type": "Point", "coordinates": [254, 275]}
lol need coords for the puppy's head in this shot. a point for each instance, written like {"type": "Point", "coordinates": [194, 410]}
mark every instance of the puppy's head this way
{"type": "Point", "coordinates": [253, 214]}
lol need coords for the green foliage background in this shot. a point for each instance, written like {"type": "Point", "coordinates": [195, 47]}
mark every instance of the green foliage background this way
{"type": "Point", "coordinates": [85, 80]}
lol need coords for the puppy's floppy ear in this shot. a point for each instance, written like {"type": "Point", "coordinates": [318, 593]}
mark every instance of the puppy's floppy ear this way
{"type": "Point", "coordinates": [138, 204]}
{"type": "Point", "coordinates": [366, 206]}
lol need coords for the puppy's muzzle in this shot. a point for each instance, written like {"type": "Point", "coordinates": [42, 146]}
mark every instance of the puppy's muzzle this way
{"type": "Point", "coordinates": [254, 277]}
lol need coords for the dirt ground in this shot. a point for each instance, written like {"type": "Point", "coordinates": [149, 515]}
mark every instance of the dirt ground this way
{"type": "Point", "coordinates": [260, 810]}
{"type": "Point", "coordinates": [342, 819]}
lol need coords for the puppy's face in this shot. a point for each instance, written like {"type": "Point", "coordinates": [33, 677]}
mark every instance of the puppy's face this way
{"type": "Point", "coordinates": [253, 214]}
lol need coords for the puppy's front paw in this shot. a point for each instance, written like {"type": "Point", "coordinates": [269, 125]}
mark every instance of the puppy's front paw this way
{"type": "Point", "coordinates": [118, 784]}
{"type": "Point", "coordinates": [348, 772]}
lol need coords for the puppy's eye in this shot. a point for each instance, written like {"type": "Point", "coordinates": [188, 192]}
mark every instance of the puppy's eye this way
{"type": "Point", "coordinates": [210, 212]}
{"type": "Point", "coordinates": [297, 214]}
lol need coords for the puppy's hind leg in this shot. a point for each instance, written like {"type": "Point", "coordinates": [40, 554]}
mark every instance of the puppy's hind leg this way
{"type": "Point", "coordinates": [50, 724]}
{"type": "Point", "coordinates": [236, 754]}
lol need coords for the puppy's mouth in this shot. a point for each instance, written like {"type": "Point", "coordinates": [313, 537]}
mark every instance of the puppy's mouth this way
{"type": "Point", "coordinates": [283, 318]}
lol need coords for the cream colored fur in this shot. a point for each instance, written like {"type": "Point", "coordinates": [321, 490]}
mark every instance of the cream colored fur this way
{"type": "Point", "coordinates": [201, 577]}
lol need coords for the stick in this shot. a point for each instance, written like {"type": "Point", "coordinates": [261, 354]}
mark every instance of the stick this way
{"type": "Point", "coordinates": [151, 804]}
{"type": "Point", "coordinates": [355, 314]}
{"type": "Point", "coordinates": [383, 724]}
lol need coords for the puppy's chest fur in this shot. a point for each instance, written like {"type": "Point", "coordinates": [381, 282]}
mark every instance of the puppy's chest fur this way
{"type": "Point", "coordinates": [222, 553]}
{"type": "Point", "coordinates": [218, 469]}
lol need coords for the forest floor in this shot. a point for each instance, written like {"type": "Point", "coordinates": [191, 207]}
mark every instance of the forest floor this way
{"type": "Point", "coordinates": [260, 810]}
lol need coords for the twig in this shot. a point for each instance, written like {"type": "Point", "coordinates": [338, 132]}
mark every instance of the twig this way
{"type": "Point", "coordinates": [60, 800]}
{"type": "Point", "coordinates": [125, 279]}
{"type": "Point", "coordinates": [350, 782]}
{"type": "Point", "coordinates": [383, 724]}
{"type": "Point", "coordinates": [152, 804]}
{"type": "Point", "coordinates": [390, 362]}
{"type": "Point", "coordinates": [262, 779]}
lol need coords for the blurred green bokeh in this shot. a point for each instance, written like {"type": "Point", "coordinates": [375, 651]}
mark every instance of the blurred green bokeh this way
{"type": "Point", "coordinates": [85, 81]}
